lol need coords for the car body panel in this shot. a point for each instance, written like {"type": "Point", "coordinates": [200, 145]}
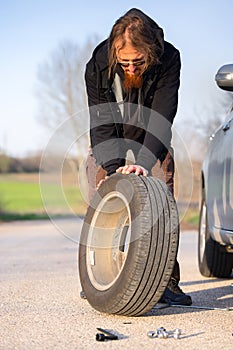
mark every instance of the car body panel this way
{"type": "Point", "coordinates": [217, 172]}
{"type": "Point", "coordinates": [218, 177]}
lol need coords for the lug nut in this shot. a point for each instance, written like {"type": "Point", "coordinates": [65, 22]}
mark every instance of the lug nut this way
{"type": "Point", "coordinates": [160, 329]}
{"type": "Point", "coordinates": [152, 334]}
{"type": "Point", "coordinates": [161, 332]}
{"type": "Point", "coordinates": [163, 335]}
{"type": "Point", "coordinates": [177, 333]}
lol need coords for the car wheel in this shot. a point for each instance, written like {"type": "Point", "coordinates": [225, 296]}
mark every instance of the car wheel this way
{"type": "Point", "coordinates": [213, 260]}
{"type": "Point", "coordinates": [128, 245]}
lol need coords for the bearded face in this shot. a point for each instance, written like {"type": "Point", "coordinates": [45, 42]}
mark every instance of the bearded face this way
{"type": "Point", "coordinates": [132, 61]}
{"type": "Point", "coordinates": [132, 80]}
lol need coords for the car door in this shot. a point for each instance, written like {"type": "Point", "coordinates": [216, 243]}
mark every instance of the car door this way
{"type": "Point", "coordinates": [220, 178]}
{"type": "Point", "coordinates": [226, 216]}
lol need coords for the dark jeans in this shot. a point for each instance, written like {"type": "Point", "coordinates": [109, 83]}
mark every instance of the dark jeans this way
{"type": "Point", "coordinates": [163, 169]}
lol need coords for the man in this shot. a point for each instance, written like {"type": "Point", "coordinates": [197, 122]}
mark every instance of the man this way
{"type": "Point", "coordinates": [132, 83]}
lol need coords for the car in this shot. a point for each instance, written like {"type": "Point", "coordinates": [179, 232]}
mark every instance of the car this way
{"type": "Point", "coordinates": [215, 233]}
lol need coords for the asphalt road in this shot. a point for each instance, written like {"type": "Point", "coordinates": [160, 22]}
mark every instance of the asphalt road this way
{"type": "Point", "coordinates": [40, 307]}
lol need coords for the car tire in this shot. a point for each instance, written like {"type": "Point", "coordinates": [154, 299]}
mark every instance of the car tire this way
{"type": "Point", "coordinates": [126, 271]}
{"type": "Point", "coordinates": [213, 260]}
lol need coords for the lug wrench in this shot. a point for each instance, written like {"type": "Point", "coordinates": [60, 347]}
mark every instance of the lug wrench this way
{"type": "Point", "coordinates": [203, 307]}
{"type": "Point", "coordinates": [108, 336]}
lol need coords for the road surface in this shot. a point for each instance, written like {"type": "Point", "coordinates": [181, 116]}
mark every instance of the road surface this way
{"type": "Point", "coordinates": [40, 307]}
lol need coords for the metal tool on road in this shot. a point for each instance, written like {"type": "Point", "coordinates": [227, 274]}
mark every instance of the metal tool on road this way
{"type": "Point", "coordinates": [105, 335]}
{"type": "Point", "coordinates": [161, 333]}
{"type": "Point", "coordinates": [177, 333]}
{"type": "Point", "coordinates": [202, 307]}
{"type": "Point", "coordinates": [152, 334]}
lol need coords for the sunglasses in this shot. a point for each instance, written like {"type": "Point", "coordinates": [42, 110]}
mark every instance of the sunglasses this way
{"type": "Point", "coordinates": [132, 63]}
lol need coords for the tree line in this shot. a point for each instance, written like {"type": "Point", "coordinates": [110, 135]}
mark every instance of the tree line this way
{"type": "Point", "coordinates": [29, 164]}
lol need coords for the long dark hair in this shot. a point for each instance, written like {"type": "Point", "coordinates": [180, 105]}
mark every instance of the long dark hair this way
{"type": "Point", "coordinates": [143, 33]}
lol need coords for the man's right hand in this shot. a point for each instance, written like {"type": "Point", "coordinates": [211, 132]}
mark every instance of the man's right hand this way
{"type": "Point", "coordinates": [101, 182]}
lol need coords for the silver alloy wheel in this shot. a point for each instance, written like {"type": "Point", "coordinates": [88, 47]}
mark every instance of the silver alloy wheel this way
{"type": "Point", "coordinates": [106, 257]}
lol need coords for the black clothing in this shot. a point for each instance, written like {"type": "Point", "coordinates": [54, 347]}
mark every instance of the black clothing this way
{"type": "Point", "coordinates": [149, 124]}
{"type": "Point", "coordinates": [140, 120]}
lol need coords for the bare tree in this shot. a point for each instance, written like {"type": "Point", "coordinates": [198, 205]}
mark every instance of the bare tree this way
{"type": "Point", "coordinates": [202, 124]}
{"type": "Point", "coordinates": [209, 118]}
{"type": "Point", "coordinates": [190, 142]}
{"type": "Point", "coordinates": [60, 87]}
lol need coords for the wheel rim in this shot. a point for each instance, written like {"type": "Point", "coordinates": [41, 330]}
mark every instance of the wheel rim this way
{"type": "Point", "coordinates": [202, 232]}
{"type": "Point", "coordinates": [108, 240]}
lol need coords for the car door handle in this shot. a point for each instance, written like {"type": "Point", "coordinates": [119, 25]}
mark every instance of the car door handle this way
{"type": "Point", "coordinates": [226, 127]}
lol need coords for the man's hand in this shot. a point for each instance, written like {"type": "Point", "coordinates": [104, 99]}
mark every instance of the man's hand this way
{"type": "Point", "coordinates": [101, 182]}
{"type": "Point", "coordinates": [127, 169]}
{"type": "Point", "coordinates": [136, 169]}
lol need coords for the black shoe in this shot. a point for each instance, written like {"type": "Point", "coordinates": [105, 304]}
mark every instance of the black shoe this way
{"type": "Point", "coordinates": [173, 295]}
{"type": "Point", "coordinates": [82, 295]}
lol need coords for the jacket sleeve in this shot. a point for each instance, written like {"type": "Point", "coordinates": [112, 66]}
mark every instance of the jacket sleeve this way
{"type": "Point", "coordinates": [105, 142]}
{"type": "Point", "coordinates": [163, 110]}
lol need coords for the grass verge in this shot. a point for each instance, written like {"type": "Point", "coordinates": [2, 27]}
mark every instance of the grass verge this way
{"type": "Point", "coordinates": [20, 198]}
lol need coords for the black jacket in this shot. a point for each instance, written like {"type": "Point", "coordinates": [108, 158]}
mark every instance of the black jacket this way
{"type": "Point", "coordinates": [159, 98]}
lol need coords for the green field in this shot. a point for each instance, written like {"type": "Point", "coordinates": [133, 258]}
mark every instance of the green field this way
{"type": "Point", "coordinates": [20, 196]}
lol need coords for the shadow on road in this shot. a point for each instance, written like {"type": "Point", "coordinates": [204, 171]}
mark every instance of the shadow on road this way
{"type": "Point", "coordinates": [219, 299]}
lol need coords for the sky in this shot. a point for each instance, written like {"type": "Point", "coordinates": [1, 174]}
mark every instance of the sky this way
{"type": "Point", "coordinates": [31, 30]}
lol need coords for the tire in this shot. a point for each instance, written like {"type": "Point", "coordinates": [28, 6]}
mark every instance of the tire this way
{"type": "Point", "coordinates": [128, 245]}
{"type": "Point", "coordinates": [213, 260]}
